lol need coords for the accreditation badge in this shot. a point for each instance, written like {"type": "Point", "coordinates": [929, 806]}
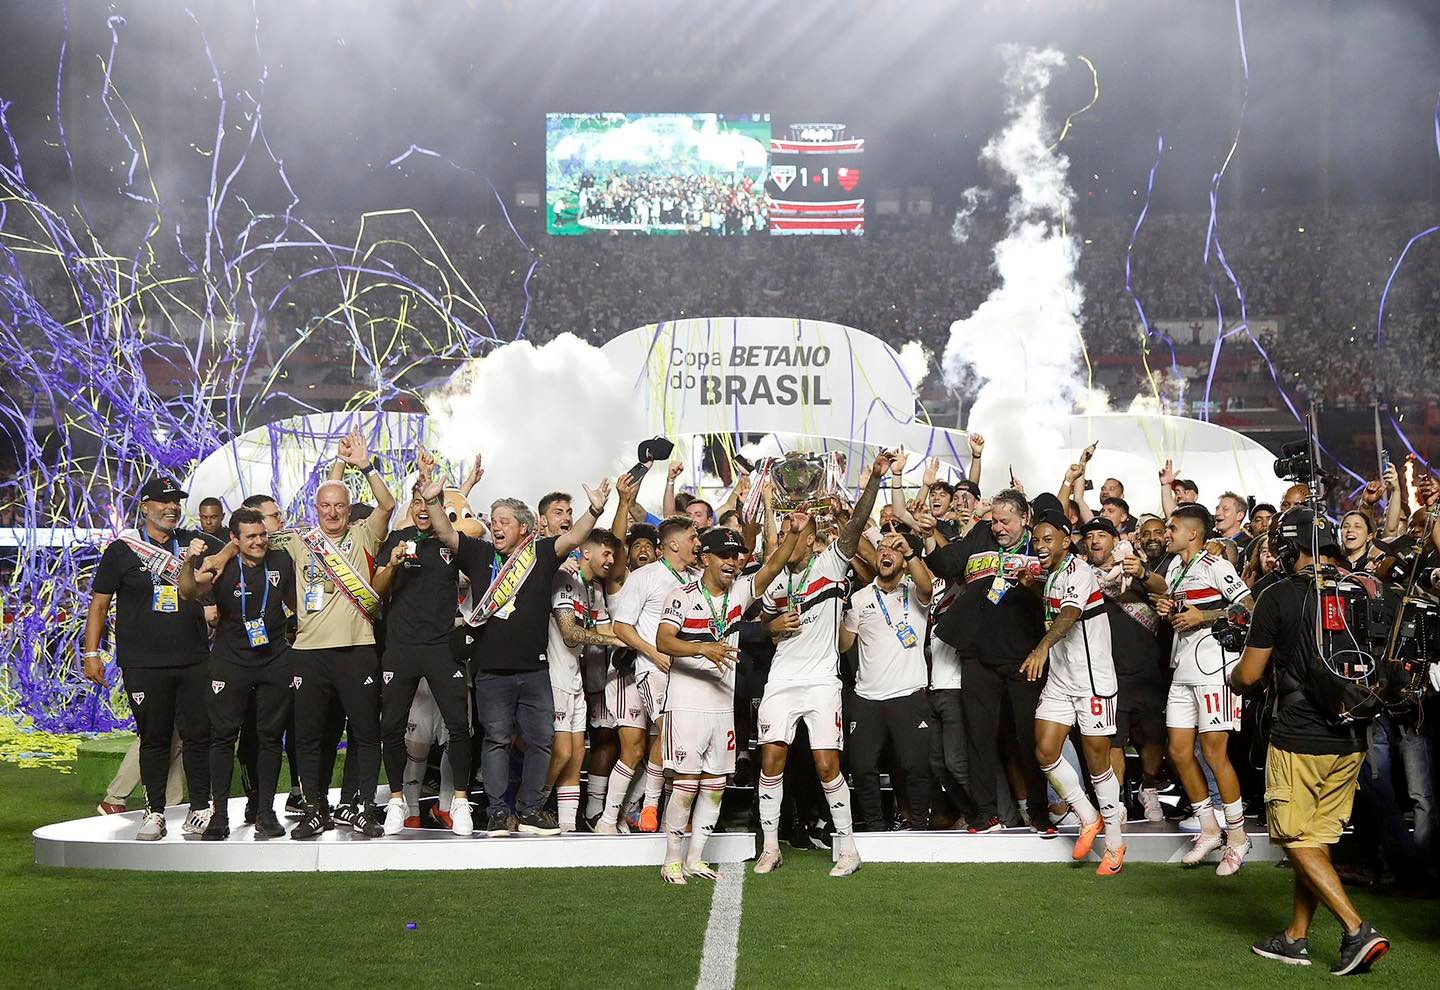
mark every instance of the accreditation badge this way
{"type": "Point", "coordinates": [997, 590]}
{"type": "Point", "coordinates": [905, 633]}
{"type": "Point", "coordinates": [166, 598]}
{"type": "Point", "coordinates": [255, 632]}
{"type": "Point", "coordinates": [314, 597]}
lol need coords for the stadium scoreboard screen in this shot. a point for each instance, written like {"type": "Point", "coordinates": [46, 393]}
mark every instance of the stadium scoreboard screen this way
{"type": "Point", "coordinates": [700, 173]}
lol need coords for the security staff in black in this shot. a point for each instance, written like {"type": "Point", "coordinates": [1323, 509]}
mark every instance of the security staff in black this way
{"type": "Point", "coordinates": [160, 646]}
{"type": "Point", "coordinates": [420, 572]}
{"type": "Point", "coordinates": [254, 590]}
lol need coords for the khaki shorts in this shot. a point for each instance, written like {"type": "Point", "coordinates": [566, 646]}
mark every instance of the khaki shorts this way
{"type": "Point", "coordinates": [1308, 798]}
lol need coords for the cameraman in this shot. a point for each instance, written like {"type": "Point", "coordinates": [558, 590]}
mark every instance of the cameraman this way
{"type": "Point", "coordinates": [1313, 763]}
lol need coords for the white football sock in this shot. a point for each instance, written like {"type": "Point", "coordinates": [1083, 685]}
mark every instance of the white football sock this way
{"type": "Point", "coordinates": [837, 796]}
{"type": "Point", "coordinates": [1235, 822]}
{"type": "Point", "coordinates": [707, 813]}
{"type": "Point", "coordinates": [654, 784]}
{"type": "Point", "coordinates": [595, 787]}
{"type": "Point", "coordinates": [1205, 812]}
{"type": "Point", "coordinates": [677, 815]}
{"type": "Point", "coordinates": [1066, 781]}
{"type": "Point", "coordinates": [770, 791]}
{"type": "Point", "coordinates": [1107, 791]}
{"type": "Point", "coordinates": [620, 779]}
{"type": "Point", "coordinates": [567, 802]}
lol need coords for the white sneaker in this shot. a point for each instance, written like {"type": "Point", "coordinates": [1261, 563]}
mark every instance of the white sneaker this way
{"type": "Point", "coordinates": [602, 827]}
{"type": "Point", "coordinates": [770, 860]}
{"type": "Point", "coordinates": [1201, 846]}
{"type": "Point", "coordinates": [1232, 859]}
{"type": "Point", "coordinates": [848, 863]}
{"type": "Point", "coordinates": [195, 822]}
{"type": "Point", "coordinates": [462, 820]}
{"type": "Point", "coordinates": [152, 827]}
{"type": "Point", "coordinates": [1150, 803]}
{"type": "Point", "coordinates": [396, 811]}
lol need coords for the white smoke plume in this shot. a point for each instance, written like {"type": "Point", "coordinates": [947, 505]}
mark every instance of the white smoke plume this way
{"type": "Point", "coordinates": [915, 362]}
{"type": "Point", "coordinates": [587, 429]}
{"type": "Point", "coordinates": [972, 198]}
{"type": "Point", "coordinates": [1023, 342]}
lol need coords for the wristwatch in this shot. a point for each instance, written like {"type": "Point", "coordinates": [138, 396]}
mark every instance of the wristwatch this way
{"type": "Point", "coordinates": [374, 465]}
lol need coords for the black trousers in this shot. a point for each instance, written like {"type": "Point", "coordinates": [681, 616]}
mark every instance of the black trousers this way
{"type": "Point", "coordinates": [403, 667]}
{"type": "Point", "coordinates": [351, 676]}
{"type": "Point", "coordinates": [165, 700]}
{"type": "Point", "coordinates": [989, 691]}
{"type": "Point", "coordinates": [234, 691]}
{"type": "Point", "coordinates": [905, 723]}
{"type": "Point", "coordinates": [949, 750]}
{"type": "Point", "coordinates": [248, 749]}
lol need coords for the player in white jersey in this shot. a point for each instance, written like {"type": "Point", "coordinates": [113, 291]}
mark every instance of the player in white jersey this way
{"type": "Point", "coordinates": [1080, 689]}
{"type": "Point", "coordinates": [804, 682]}
{"type": "Point", "coordinates": [699, 629]}
{"type": "Point", "coordinates": [635, 615]}
{"type": "Point", "coordinates": [579, 624]}
{"type": "Point", "coordinates": [1195, 591]}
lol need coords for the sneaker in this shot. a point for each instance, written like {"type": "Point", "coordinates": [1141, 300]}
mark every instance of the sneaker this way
{"type": "Point", "coordinates": [1043, 829]}
{"type": "Point", "coordinates": [1150, 804]}
{"type": "Point", "coordinates": [413, 821]}
{"type": "Point", "coordinates": [1111, 862]}
{"type": "Point", "coordinates": [900, 824]}
{"type": "Point", "coordinates": [107, 808]}
{"type": "Point", "coordinates": [252, 809]}
{"type": "Point", "coordinates": [497, 823]}
{"type": "Point", "coordinates": [295, 805]}
{"type": "Point", "coordinates": [538, 821]}
{"type": "Point", "coordinates": [991, 824]}
{"type": "Point", "coordinates": [196, 822]}
{"type": "Point", "coordinates": [345, 814]}
{"type": "Point", "coordinates": [443, 817]}
{"type": "Point", "coordinates": [1201, 846]}
{"type": "Point", "coordinates": [770, 860]}
{"type": "Point", "coordinates": [315, 820]}
{"type": "Point", "coordinates": [703, 871]}
{"type": "Point", "coordinates": [1069, 820]}
{"type": "Point", "coordinates": [462, 820]}
{"type": "Point", "coordinates": [1190, 824]}
{"type": "Point", "coordinates": [267, 826]}
{"type": "Point", "coordinates": [848, 863]}
{"type": "Point", "coordinates": [396, 811]}
{"type": "Point", "coordinates": [630, 821]}
{"type": "Point", "coordinates": [1086, 839]}
{"type": "Point", "coordinates": [602, 827]}
{"type": "Point", "coordinates": [370, 823]}
{"type": "Point", "coordinates": [1232, 859]}
{"type": "Point", "coordinates": [217, 829]}
{"type": "Point", "coordinates": [820, 836]}
{"type": "Point", "coordinates": [1282, 949]}
{"type": "Point", "coordinates": [152, 827]}
{"type": "Point", "coordinates": [1359, 951]}
{"type": "Point", "coordinates": [649, 819]}
{"type": "Point", "coordinates": [673, 873]}
{"type": "Point", "coordinates": [591, 821]}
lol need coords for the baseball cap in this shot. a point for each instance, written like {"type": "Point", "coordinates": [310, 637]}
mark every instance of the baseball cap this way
{"type": "Point", "coordinates": [162, 490]}
{"type": "Point", "coordinates": [1101, 524]}
{"type": "Point", "coordinates": [722, 542]}
{"type": "Point", "coordinates": [966, 485]}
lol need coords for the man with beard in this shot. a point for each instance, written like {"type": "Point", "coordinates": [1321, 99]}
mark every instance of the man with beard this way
{"type": "Point", "coordinates": [1260, 516]}
{"type": "Point", "coordinates": [699, 629]}
{"type": "Point", "coordinates": [254, 590]}
{"type": "Point", "coordinates": [161, 645]}
{"type": "Point", "coordinates": [1151, 539]}
{"type": "Point", "coordinates": [334, 651]}
{"type": "Point", "coordinates": [420, 577]}
{"type": "Point", "coordinates": [1135, 646]}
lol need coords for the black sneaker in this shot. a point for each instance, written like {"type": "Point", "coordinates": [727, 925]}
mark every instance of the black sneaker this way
{"type": "Point", "coordinates": [1281, 949]}
{"type": "Point", "coordinates": [899, 823]}
{"type": "Point", "coordinates": [218, 830]}
{"type": "Point", "coordinates": [267, 826]}
{"type": "Point", "coordinates": [1359, 951]}
{"type": "Point", "coordinates": [497, 822]}
{"type": "Point", "coordinates": [315, 821]}
{"type": "Point", "coordinates": [295, 805]}
{"type": "Point", "coordinates": [346, 814]}
{"type": "Point", "coordinates": [252, 808]}
{"type": "Point", "coordinates": [538, 821]}
{"type": "Point", "coordinates": [990, 824]}
{"type": "Point", "coordinates": [369, 823]}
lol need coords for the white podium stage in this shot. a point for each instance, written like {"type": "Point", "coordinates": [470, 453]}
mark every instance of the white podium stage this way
{"type": "Point", "coordinates": [107, 842]}
{"type": "Point", "coordinates": [1146, 842]}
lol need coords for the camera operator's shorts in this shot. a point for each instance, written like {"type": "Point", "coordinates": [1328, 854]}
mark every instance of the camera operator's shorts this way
{"type": "Point", "coordinates": [1308, 798]}
{"type": "Point", "coordinates": [1095, 716]}
{"type": "Point", "coordinates": [1205, 707]}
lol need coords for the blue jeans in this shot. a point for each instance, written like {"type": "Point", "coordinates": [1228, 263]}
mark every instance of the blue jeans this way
{"type": "Point", "coordinates": [505, 702]}
{"type": "Point", "coordinates": [1403, 850]}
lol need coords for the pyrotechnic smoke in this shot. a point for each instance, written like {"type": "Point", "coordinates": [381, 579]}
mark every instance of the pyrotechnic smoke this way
{"type": "Point", "coordinates": [590, 419]}
{"type": "Point", "coordinates": [915, 362]}
{"type": "Point", "coordinates": [1023, 342]}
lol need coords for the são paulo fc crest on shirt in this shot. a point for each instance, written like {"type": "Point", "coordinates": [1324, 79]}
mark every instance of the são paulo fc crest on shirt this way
{"type": "Point", "coordinates": [388, 676]}
{"type": "Point", "coordinates": [273, 577]}
{"type": "Point", "coordinates": [446, 555]}
{"type": "Point", "coordinates": [217, 686]}
{"type": "Point", "coordinates": [137, 697]}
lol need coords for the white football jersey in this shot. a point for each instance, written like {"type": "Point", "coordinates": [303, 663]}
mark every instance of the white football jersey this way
{"type": "Point", "coordinates": [1207, 582]}
{"type": "Point", "coordinates": [1081, 664]}
{"type": "Point", "coordinates": [643, 598]}
{"type": "Point", "coordinates": [586, 601]}
{"type": "Point", "coordinates": [696, 684]}
{"type": "Point", "coordinates": [811, 656]}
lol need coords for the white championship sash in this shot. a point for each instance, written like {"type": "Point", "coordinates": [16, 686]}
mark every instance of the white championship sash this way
{"type": "Point", "coordinates": [161, 563]}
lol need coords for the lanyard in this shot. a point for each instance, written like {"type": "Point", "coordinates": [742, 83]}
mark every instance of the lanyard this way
{"type": "Point", "coordinates": [804, 583]}
{"type": "Point", "coordinates": [1049, 582]}
{"type": "Point", "coordinates": [244, 594]}
{"type": "Point", "coordinates": [174, 542]}
{"type": "Point", "coordinates": [1005, 555]}
{"type": "Point", "coordinates": [904, 605]}
{"type": "Point", "coordinates": [1184, 571]}
{"type": "Point", "coordinates": [719, 621]}
{"type": "Point", "coordinates": [673, 571]}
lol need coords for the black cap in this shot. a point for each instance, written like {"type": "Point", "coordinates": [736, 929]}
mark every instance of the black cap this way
{"type": "Point", "coordinates": [723, 542]}
{"type": "Point", "coordinates": [1101, 524]}
{"type": "Point", "coordinates": [162, 490]}
{"type": "Point", "coordinates": [1054, 518]}
{"type": "Point", "coordinates": [966, 485]}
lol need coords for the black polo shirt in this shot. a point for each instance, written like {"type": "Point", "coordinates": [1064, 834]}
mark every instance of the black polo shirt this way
{"type": "Point", "coordinates": [515, 640]}
{"type": "Point", "coordinates": [275, 573]}
{"type": "Point", "coordinates": [143, 637]}
{"type": "Point", "coordinates": [424, 596]}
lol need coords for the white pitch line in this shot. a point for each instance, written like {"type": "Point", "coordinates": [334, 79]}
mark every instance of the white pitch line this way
{"type": "Point", "coordinates": [722, 934]}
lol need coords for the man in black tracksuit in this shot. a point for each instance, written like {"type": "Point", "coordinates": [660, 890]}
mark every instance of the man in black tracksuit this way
{"type": "Point", "coordinates": [994, 622]}
{"type": "Point", "coordinates": [254, 590]}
